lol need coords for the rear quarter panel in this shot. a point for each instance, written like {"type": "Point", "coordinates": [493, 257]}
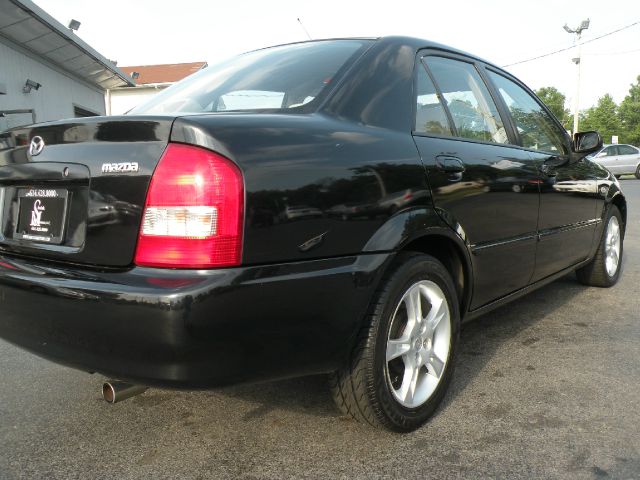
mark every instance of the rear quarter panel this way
{"type": "Point", "coordinates": [315, 186]}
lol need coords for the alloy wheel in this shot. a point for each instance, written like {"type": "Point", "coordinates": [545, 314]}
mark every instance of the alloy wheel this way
{"type": "Point", "coordinates": [612, 246]}
{"type": "Point", "coordinates": [418, 344]}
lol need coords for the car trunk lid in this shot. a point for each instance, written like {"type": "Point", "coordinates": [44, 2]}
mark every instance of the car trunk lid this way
{"type": "Point", "coordinates": [74, 191]}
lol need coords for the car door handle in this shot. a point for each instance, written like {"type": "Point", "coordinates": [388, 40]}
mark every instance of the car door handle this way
{"type": "Point", "coordinates": [450, 164]}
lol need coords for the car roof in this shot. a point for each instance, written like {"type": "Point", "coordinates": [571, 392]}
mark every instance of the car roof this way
{"type": "Point", "coordinates": [421, 43]}
{"type": "Point", "coordinates": [399, 41]}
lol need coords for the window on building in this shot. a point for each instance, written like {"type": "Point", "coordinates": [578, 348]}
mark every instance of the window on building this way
{"type": "Point", "coordinates": [80, 112]}
{"type": "Point", "coordinates": [16, 118]}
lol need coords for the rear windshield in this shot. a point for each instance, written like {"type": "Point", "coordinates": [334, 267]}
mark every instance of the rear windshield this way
{"type": "Point", "coordinates": [278, 78]}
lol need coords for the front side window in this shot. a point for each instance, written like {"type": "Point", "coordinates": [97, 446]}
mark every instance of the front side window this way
{"type": "Point", "coordinates": [537, 129]}
{"type": "Point", "coordinates": [430, 114]}
{"type": "Point", "coordinates": [285, 78]}
{"type": "Point", "coordinates": [608, 152]}
{"type": "Point", "coordinates": [472, 109]}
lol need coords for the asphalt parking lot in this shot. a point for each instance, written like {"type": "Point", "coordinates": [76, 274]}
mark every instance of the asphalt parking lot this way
{"type": "Point", "coordinates": [548, 387]}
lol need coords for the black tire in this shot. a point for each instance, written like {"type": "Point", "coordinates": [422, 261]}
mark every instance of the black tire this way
{"type": "Point", "coordinates": [361, 389]}
{"type": "Point", "coordinates": [637, 174]}
{"type": "Point", "coordinates": [595, 272]}
{"type": "Point", "coordinates": [618, 176]}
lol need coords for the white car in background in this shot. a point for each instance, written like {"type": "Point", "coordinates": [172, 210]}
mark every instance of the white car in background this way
{"type": "Point", "coordinates": [620, 159]}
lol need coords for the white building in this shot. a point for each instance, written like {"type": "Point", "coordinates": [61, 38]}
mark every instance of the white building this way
{"type": "Point", "coordinates": [150, 79]}
{"type": "Point", "coordinates": [46, 71]}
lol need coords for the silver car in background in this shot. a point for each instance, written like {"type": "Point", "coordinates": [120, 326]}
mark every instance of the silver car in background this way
{"type": "Point", "coordinates": [620, 159]}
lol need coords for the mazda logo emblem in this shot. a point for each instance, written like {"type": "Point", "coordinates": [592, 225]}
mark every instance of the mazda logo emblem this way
{"type": "Point", "coordinates": [37, 144]}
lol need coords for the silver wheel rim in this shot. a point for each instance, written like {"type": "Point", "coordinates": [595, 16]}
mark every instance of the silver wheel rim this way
{"type": "Point", "coordinates": [612, 247]}
{"type": "Point", "coordinates": [418, 344]}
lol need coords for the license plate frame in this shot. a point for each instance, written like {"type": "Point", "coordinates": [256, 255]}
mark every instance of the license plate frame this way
{"type": "Point", "coordinates": [42, 215]}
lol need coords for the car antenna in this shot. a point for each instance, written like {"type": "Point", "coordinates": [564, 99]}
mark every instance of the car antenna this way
{"type": "Point", "coordinates": [303, 27]}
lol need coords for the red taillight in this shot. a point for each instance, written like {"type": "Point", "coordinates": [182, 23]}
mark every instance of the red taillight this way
{"type": "Point", "coordinates": [193, 213]}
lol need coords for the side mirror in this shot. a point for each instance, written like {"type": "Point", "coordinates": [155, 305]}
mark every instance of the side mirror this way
{"type": "Point", "coordinates": [585, 143]}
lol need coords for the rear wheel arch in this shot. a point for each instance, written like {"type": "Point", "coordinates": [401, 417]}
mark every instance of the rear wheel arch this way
{"type": "Point", "coordinates": [620, 202]}
{"type": "Point", "coordinates": [365, 387]}
{"type": "Point", "coordinates": [454, 258]}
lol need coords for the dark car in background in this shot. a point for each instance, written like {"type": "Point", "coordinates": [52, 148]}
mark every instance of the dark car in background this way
{"type": "Point", "coordinates": [335, 206]}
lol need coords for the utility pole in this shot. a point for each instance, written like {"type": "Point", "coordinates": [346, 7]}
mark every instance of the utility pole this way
{"type": "Point", "coordinates": [578, 61]}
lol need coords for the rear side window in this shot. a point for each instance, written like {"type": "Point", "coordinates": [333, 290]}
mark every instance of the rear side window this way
{"type": "Point", "coordinates": [537, 129]}
{"type": "Point", "coordinates": [277, 78]}
{"type": "Point", "coordinates": [472, 109]}
{"type": "Point", "coordinates": [627, 150]}
{"type": "Point", "coordinates": [430, 114]}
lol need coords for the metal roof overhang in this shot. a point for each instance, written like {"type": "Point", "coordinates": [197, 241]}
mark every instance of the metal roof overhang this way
{"type": "Point", "coordinates": [26, 24]}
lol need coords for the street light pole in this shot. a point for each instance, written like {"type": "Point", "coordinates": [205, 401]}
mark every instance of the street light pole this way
{"type": "Point", "coordinates": [578, 61]}
{"type": "Point", "coordinates": [576, 103]}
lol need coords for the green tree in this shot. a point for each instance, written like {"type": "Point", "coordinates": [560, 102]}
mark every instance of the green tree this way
{"type": "Point", "coordinates": [603, 118]}
{"type": "Point", "coordinates": [555, 100]}
{"type": "Point", "coordinates": [568, 124]}
{"type": "Point", "coordinates": [629, 113]}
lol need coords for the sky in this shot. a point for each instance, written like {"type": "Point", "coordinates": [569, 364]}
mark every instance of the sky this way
{"type": "Point", "coordinates": [146, 32]}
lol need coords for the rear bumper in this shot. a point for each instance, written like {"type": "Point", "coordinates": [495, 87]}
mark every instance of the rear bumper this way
{"type": "Point", "coordinates": [190, 328]}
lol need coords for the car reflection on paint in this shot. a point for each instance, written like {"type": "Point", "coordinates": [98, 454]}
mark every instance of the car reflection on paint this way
{"type": "Point", "coordinates": [102, 210]}
{"type": "Point", "coordinates": [514, 184]}
{"type": "Point", "coordinates": [576, 186]}
{"type": "Point", "coordinates": [126, 211]}
{"type": "Point", "coordinates": [299, 212]}
{"type": "Point", "coordinates": [107, 210]}
{"type": "Point", "coordinates": [387, 205]}
{"type": "Point", "coordinates": [399, 200]}
{"type": "Point", "coordinates": [345, 211]}
{"type": "Point", "coordinates": [462, 186]}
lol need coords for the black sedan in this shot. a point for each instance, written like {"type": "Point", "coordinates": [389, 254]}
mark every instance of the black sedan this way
{"type": "Point", "coordinates": [320, 207]}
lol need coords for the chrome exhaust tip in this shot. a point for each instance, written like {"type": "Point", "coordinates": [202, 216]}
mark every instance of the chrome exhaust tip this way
{"type": "Point", "coordinates": [114, 391]}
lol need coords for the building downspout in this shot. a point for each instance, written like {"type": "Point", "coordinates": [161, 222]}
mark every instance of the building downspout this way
{"type": "Point", "coordinates": [107, 100]}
